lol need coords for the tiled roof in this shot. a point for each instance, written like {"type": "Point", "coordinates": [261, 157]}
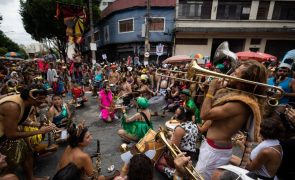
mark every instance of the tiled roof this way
{"type": "Point", "coordinates": [125, 4]}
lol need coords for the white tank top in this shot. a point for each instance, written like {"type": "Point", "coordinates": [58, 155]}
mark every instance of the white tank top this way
{"type": "Point", "coordinates": [269, 143]}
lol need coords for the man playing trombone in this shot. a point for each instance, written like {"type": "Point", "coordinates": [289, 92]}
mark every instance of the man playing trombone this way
{"type": "Point", "coordinates": [229, 111]}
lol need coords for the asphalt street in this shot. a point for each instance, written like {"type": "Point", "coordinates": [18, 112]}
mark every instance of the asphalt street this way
{"type": "Point", "coordinates": [105, 132]}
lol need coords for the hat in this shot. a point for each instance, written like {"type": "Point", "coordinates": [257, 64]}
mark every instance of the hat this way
{"type": "Point", "coordinates": [144, 77]}
{"type": "Point", "coordinates": [287, 63]}
{"type": "Point", "coordinates": [220, 66]}
{"type": "Point", "coordinates": [144, 71]}
{"type": "Point", "coordinates": [142, 102]}
{"type": "Point", "coordinates": [186, 92]}
{"type": "Point", "coordinates": [113, 66]}
{"type": "Point", "coordinates": [129, 68]}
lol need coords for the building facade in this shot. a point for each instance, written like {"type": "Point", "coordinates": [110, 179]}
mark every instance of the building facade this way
{"type": "Point", "coordinates": [256, 25]}
{"type": "Point", "coordinates": [121, 30]}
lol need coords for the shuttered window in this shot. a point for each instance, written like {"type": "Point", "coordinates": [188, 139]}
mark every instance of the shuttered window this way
{"type": "Point", "coordinates": [157, 24]}
{"type": "Point", "coordinates": [263, 10]}
{"type": "Point", "coordinates": [126, 25]}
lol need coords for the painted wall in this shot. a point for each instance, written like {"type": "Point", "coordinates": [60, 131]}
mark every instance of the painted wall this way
{"type": "Point", "coordinates": [110, 25]}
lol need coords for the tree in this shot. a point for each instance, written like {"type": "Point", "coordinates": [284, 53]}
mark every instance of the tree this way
{"type": "Point", "coordinates": [39, 20]}
{"type": "Point", "coordinates": [7, 45]}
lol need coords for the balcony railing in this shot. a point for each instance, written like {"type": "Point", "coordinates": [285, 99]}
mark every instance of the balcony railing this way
{"type": "Point", "coordinates": [198, 10]}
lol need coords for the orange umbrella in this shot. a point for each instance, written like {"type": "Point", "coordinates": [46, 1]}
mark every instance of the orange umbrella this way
{"type": "Point", "coordinates": [258, 56]}
{"type": "Point", "coordinates": [177, 59]}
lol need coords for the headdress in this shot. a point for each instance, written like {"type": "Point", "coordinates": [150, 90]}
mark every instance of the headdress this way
{"type": "Point", "coordinates": [186, 92]}
{"type": "Point", "coordinates": [142, 102]}
{"type": "Point", "coordinates": [80, 128]}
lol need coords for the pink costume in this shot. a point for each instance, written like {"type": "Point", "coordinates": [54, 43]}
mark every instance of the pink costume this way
{"type": "Point", "coordinates": [106, 100]}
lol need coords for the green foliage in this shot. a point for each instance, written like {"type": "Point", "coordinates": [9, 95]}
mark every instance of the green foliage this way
{"type": "Point", "coordinates": [3, 51]}
{"type": "Point", "coordinates": [7, 45]}
{"type": "Point", "coordinates": [39, 20]}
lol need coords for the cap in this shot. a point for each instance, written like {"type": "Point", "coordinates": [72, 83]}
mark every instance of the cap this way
{"type": "Point", "coordinates": [142, 102]}
{"type": "Point", "coordinates": [113, 66]}
{"type": "Point", "coordinates": [144, 77]}
{"type": "Point", "coordinates": [287, 63]}
{"type": "Point", "coordinates": [186, 92]}
{"type": "Point", "coordinates": [129, 68]}
{"type": "Point", "coordinates": [220, 66]}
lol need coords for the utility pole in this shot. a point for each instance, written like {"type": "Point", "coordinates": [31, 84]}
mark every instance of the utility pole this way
{"type": "Point", "coordinates": [147, 31]}
{"type": "Point", "coordinates": [92, 31]}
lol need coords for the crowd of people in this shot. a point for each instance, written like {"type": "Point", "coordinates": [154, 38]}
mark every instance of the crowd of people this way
{"type": "Point", "coordinates": [211, 116]}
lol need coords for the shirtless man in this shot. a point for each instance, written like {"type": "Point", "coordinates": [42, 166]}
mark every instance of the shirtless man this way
{"type": "Point", "coordinates": [14, 110]}
{"type": "Point", "coordinates": [125, 92]}
{"type": "Point", "coordinates": [125, 88]}
{"type": "Point", "coordinates": [228, 116]}
{"type": "Point", "coordinates": [114, 76]}
{"type": "Point", "coordinates": [162, 83]}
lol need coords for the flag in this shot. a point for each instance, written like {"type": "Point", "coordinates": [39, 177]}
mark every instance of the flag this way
{"type": "Point", "coordinates": [74, 18]}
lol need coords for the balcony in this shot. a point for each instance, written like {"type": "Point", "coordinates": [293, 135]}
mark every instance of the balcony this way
{"type": "Point", "coordinates": [196, 10]}
{"type": "Point", "coordinates": [193, 25]}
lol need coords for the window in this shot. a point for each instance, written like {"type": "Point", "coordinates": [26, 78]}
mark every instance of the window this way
{"type": "Point", "coordinates": [195, 9]}
{"type": "Point", "coordinates": [191, 41]}
{"type": "Point", "coordinates": [284, 10]}
{"type": "Point", "coordinates": [263, 10]}
{"type": "Point", "coordinates": [157, 24]}
{"type": "Point", "coordinates": [126, 25]}
{"type": "Point", "coordinates": [255, 41]}
{"type": "Point", "coordinates": [233, 10]}
{"type": "Point", "coordinates": [96, 36]}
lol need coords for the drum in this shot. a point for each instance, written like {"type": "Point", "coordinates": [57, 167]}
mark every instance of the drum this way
{"type": "Point", "coordinates": [148, 142]}
{"type": "Point", "coordinates": [156, 103]}
{"type": "Point", "coordinates": [171, 124]}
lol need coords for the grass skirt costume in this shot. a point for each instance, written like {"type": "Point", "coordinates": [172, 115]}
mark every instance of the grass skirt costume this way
{"type": "Point", "coordinates": [16, 150]}
{"type": "Point", "coordinates": [136, 128]}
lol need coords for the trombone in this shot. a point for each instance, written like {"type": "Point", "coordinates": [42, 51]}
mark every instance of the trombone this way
{"type": "Point", "coordinates": [175, 151]}
{"type": "Point", "coordinates": [273, 94]}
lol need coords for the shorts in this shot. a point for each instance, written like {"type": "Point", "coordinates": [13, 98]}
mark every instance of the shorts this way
{"type": "Point", "coordinates": [211, 158]}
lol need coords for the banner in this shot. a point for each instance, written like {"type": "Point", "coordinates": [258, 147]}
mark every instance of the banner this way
{"type": "Point", "coordinates": [74, 18]}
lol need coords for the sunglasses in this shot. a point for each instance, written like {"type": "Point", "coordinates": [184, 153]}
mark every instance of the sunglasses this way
{"type": "Point", "coordinates": [283, 70]}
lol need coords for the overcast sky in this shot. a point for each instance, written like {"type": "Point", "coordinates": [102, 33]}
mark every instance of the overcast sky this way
{"type": "Point", "coordinates": [12, 24]}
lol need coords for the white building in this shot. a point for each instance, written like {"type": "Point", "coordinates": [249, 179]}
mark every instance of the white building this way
{"type": "Point", "coordinates": [256, 25]}
{"type": "Point", "coordinates": [105, 3]}
{"type": "Point", "coordinates": [35, 48]}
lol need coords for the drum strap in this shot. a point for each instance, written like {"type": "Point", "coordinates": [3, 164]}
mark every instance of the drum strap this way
{"type": "Point", "coordinates": [146, 119]}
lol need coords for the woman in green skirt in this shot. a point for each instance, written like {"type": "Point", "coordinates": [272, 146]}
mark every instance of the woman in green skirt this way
{"type": "Point", "coordinates": [136, 126]}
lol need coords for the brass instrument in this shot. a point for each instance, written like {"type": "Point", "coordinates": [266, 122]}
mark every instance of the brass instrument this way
{"type": "Point", "coordinates": [223, 52]}
{"type": "Point", "coordinates": [273, 94]}
{"type": "Point", "coordinates": [175, 151]}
